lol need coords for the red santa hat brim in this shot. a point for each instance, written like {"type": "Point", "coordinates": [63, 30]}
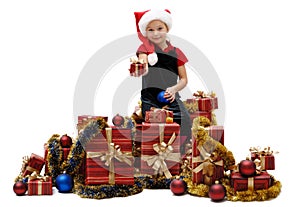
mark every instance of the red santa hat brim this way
{"type": "Point", "coordinates": [148, 16]}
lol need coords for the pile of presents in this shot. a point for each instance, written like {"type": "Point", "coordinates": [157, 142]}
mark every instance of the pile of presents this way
{"type": "Point", "coordinates": [134, 152]}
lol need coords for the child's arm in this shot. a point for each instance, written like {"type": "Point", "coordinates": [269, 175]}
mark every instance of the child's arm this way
{"type": "Point", "coordinates": [183, 80]}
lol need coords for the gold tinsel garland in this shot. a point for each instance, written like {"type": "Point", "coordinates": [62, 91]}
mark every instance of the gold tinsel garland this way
{"type": "Point", "coordinates": [214, 146]}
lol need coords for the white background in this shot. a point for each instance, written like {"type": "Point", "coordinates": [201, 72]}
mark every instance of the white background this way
{"type": "Point", "coordinates": [253, 46]}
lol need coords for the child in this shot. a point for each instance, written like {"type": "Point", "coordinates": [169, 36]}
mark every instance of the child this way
{"type": "Point", "coordinates": [165, 67]}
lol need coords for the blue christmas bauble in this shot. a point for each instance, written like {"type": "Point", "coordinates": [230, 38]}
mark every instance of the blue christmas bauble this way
{"type": "Point", "coordinates": [64, 183]}
{"type": "Point", "coordinates": [161, 99]}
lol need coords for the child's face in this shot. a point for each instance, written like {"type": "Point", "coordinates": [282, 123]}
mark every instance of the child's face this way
{"type": "Point", "coordinates": [156, 32]}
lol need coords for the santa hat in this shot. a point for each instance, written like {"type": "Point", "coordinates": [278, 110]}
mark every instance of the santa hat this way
{"type": "Point", "coordinates": [142, 21]}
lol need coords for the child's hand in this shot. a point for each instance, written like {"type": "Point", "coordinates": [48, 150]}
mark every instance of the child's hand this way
{"type": "Point", "coordinates": [170, 94]}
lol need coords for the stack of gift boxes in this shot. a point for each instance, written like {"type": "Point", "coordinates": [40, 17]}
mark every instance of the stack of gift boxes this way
{"type": "Point", "coordinates": [207, 167]}
{"type": "Point", "coordinates": [203, 104]}
{"type": "Point", "coordinates": [264, 160]}
{"type": "Point", "coordinates": [37, 184]}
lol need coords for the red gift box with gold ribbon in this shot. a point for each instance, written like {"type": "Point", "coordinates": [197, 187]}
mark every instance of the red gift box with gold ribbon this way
{"type": "Point", "coordinates": [109, 158]}
{"type": "Point", "coordinates": [203, 101]}
{"type": "Point", "coordinates": [34, 163]}
{"type": "Point", "coordinates": [39, 185]}
{"type": "Point", "coordinates": [65, 153]}
{"type": "Point", "coordinates": [158, 115]}
{"type": "Point", "coordinates": [160, 149]}
{"type": "Point", "coordinates": [206, 167]}
{"type": "Point", "coordinates": [257, 182]}
{"type": "Point", "coordinates": [265, 156]}
{"type": "Point", "coordinates": [216, 132]}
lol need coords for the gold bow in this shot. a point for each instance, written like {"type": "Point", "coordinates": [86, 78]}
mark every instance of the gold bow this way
{"type": "Point", "coordinates": [208, 164]}
{"type": "Point", "coordinates": [164, 152]}
{"type": "Point", "coordinates": [262, 152]}
{"type": "Point", "coordinates": [36, 176]}
{"type": "Point", "coordinates": [201, 94]}
{"type": "Point", "coordinates": [113, 152]}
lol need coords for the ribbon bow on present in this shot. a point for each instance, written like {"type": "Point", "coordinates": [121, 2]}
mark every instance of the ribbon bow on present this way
{"type": "Point", "coordinates": [201, 94]}
{"type": "Point", "coordinates": [113, 152]}
{"type": "Point", "coordinates": [207, 165]}
{"type": "Point", "coordinates": [135, 60]}
{"type": "Point", "coordinates": [36, 176]}
{"type": "Point", "coordinates": [262, 152]}
{"type": "Point", "coordinates": [164, 152]}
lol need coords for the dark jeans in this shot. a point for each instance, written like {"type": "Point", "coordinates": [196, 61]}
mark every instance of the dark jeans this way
{"type": "Point", "coordinates": [180, 116]}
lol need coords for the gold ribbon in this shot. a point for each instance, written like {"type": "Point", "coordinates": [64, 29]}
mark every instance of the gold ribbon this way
{"type": "Point", "coordinates": [207, 165]}
{"type": "Point", "coordinates": [36, 176]}
{"type": "Point", "coordinates": [251, 183]}
{"type": "Point", "coordinates": [113, 152]}
{"type": "Point", "coordinates": [164, 152]}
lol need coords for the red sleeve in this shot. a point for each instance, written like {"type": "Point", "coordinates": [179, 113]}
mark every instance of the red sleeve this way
{"type": "Point", "coordinates": [141, 49]}
{"type": "Point", "coordinates": [182, 59]}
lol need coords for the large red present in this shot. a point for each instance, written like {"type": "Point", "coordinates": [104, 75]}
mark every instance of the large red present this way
{"type": "Point", "coordinates": [160, 149]}
{"type": "Point", "coordinates": [207, 114]}
{"type": "Point", "coordinates": [206, 167]}
{"type": "Point", "coordinates": [109, 158]}
{"type": "Point", "coordinates": [216, 132]}
{"type": "Point", "coordinates": [158, 115]}
{"type": "Point", "coordinates": [34, 163]}
{"type": "Point", "coordinates": [40, 185]}
{"type": "Point", "coordinates": [258, 182]}
{"type": "Point", "coordinates": [84, 119]}
{"type": "Point", "coordinates": [265, 156]}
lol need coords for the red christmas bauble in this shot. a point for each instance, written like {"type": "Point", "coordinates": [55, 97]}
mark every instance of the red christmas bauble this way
{"type": "Point", "coordinates": [217, 192]}
{"type": "Point", "coordinates": [118, 120]}
{"type": "Point", "coordinates": [20, 188]}
{"type": "Point", "coordinates": [178, 186]}
{"type": "Point", "coordinates": [65, 141]}
{"type": "Point", "coordinates": [247, 168]}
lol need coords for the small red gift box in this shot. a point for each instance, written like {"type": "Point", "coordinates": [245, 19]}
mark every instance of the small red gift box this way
{"type": "Point", "coordinates": [205, 169]}
{"type": "Point", "coordinates": [265, 156]}
{"type": "Point", "coordinates": [216, 132]}
{"type": "Point", "coordinates": [84, 119]}
{"type": "Point", "coordinates": [258, 182]}
{"type": "Point", "coordinates": [160, 141]}
{"type": "Point", "coordinates": [207, 114]}
{"type": "Point", "coordinates": [205, 103]}
{"type": "Point", "coordinates": [109, 158]}
{"type": "Point", "coordinates": [65, 153]}
{"type": "Point", "coordinates": [158, 116]}
{"type": "Point", "coordinates": [35, 163]}
{"type": "Point", "coordinates": [40, 186]}
{"type": "Point", "coordinates": [137, 69]}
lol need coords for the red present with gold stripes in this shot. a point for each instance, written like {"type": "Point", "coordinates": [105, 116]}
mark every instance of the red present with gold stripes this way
{"type": "Point", "coordinates": [40, 186]}
{"type": "Point", "coordinates": [109, 158]}
{"type": "Point", "coordinates": [160, 149]}
{"type": "Point", "coordinates": [158, 115]}
{"type": "Point", "coordinates": [206, 167]}
{"type": "Point", "coordinates": [34, 163]}
{"type": "Point", "coordinates": [258, 182]}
